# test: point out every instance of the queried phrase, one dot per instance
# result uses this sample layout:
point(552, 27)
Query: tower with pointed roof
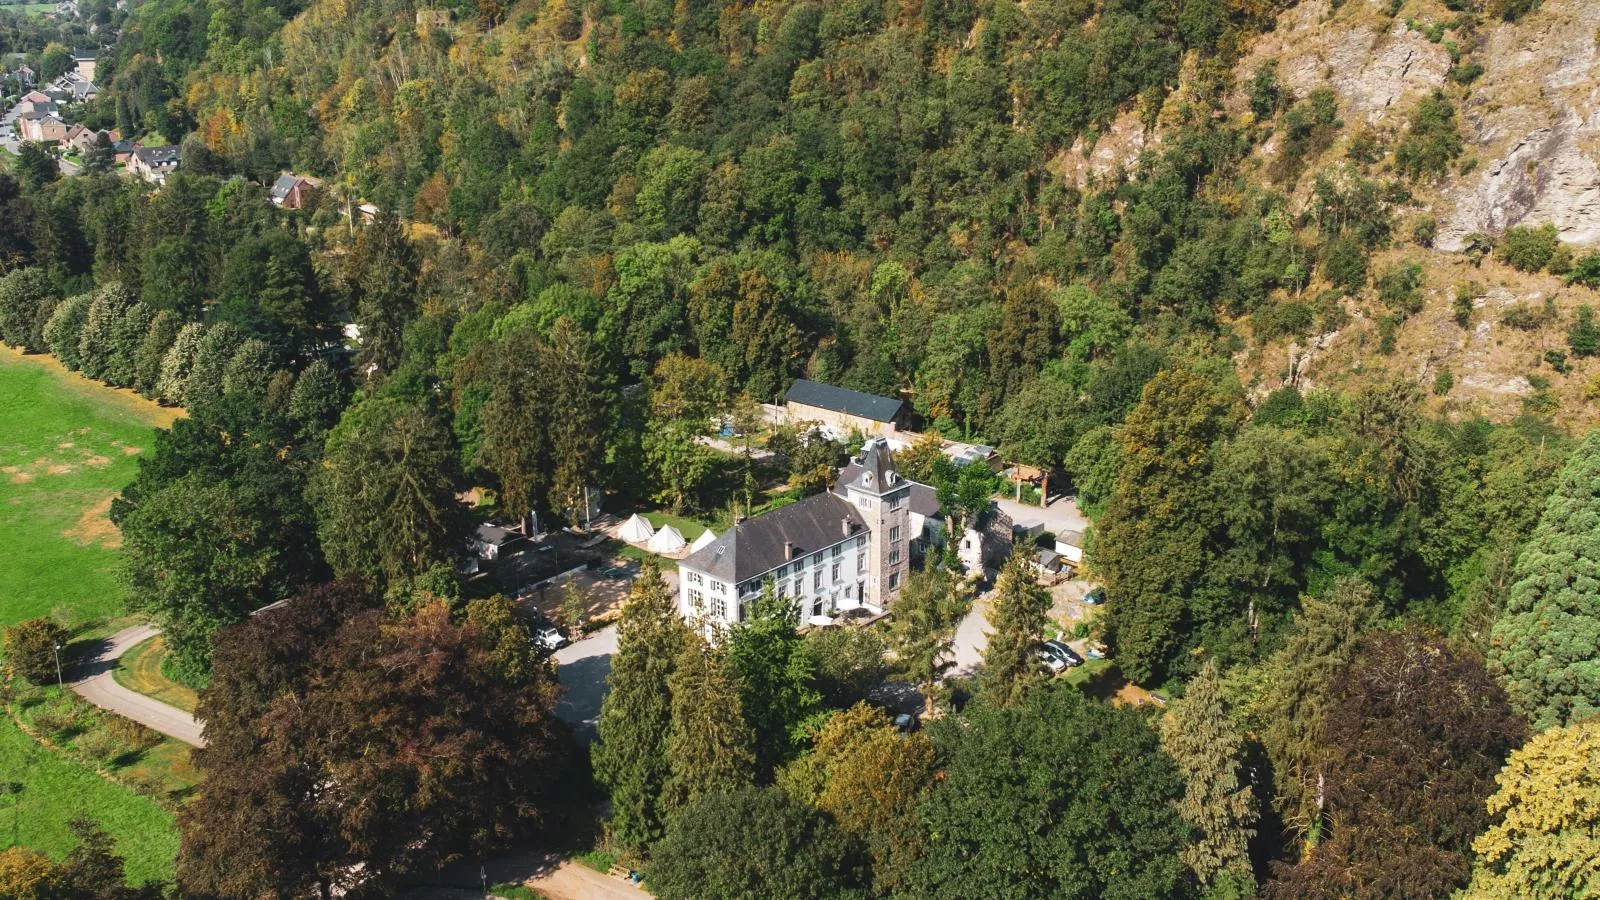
point(873, 485)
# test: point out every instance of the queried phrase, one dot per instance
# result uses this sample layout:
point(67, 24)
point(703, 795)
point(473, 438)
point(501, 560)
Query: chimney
point(788, 550)
point(845, 523)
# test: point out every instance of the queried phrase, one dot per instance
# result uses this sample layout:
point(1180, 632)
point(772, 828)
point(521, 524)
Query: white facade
point(827, 582)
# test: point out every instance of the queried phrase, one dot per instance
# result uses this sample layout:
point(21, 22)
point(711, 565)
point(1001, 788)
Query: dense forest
point(599, 227)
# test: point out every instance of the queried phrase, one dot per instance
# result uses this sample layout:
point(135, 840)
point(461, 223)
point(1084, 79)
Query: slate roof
point(756, 546)
point(282, 187)
point(495, 535)
point(157, 156)
point(843, 400)
point(924, 500)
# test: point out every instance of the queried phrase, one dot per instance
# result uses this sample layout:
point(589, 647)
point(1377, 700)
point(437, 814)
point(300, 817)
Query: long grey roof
point(757, 546)
point(844, 400)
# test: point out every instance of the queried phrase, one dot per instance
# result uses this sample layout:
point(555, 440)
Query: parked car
point(550, 637)
point(1095, 651)
point(1057, 656)
point(1095, 597)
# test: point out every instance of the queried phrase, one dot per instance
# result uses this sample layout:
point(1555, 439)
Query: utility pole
point(60, 682)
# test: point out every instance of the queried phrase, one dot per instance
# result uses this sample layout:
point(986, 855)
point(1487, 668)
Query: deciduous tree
point(1059, 796)
point(754, 843)
point(1414, 734)
point(1545, 840)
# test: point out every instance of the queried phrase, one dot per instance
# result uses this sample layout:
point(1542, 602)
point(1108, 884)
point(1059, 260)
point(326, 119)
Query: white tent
point(636, 530)
point(705, 538)
point(667, 540)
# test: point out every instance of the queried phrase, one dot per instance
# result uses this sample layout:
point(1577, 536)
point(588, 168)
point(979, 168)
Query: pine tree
point(1018, 617)
point(776, 677)
point(630, 755)
point(926, 616)
point(152, 349)
point(1543, 647)
point(574, 374)
point(178, 363)
point(1218, 801)
point(711, 747)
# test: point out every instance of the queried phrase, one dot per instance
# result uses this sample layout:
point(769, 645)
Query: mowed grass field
point(67, 446)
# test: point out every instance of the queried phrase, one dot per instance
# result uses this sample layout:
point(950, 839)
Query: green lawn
point(55, 790)
point(67, 446)
point(29, 9)
point(140, 670)
point(689, 528)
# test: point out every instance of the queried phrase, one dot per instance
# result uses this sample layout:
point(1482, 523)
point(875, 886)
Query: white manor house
point(847, 548)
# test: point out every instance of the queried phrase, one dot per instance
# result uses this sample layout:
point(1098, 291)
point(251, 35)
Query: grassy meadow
point(67, 446)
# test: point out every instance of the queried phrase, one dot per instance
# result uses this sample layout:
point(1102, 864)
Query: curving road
point(92, 680)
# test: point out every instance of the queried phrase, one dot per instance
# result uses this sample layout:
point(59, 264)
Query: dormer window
point(866, 478)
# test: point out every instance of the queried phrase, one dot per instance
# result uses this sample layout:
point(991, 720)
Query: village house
point(843, 410)
point(27, 74)
point(849, 548)
point(41, 125)
point(153, 164)
point(84, 63)
point(293, 191)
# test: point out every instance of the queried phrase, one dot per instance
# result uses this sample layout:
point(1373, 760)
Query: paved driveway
point(583, 667)
point(92, 680)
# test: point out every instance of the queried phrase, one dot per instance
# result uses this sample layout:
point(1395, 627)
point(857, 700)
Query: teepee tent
point(636, 530)
point(706, 537)
point(667, 540)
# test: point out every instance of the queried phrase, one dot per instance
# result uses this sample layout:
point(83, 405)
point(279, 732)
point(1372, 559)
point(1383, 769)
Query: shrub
point(1433, 142)
point(1344, 262)
point(1397, 288)
point(101, 746)
point(1557, 361)
point(1524, 317)
point(598, 860)
point(1529, 249)
point(1584, 336)
point(1284, 319)
point(1388, 326)
point(1443, 382)
point(513, 892)
point(31, 649)
point(1424, 231)
point(1462, 304)
point(1586, 271)
point(135, 735)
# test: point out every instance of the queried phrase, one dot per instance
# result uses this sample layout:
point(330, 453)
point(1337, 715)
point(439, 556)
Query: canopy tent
point(636, 530)
point(706, 537)
point(667, 540)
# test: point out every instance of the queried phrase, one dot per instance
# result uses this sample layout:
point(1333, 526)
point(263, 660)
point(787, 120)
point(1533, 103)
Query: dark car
point(1095, 597)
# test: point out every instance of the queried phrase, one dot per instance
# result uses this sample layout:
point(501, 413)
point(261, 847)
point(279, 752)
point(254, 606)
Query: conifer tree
point(776, 677)
point(630, 755)
point(926, 615)
point(1218, 800)
point(711, 747)
point(1018, 618)
point(1543, 648)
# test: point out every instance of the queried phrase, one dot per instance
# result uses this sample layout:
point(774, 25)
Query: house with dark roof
point(84, 61)
point(154, 163)
point(851, 547)
point(844, 410)
point(292, 191)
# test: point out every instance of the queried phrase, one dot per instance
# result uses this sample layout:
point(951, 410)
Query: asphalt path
point(92, 680)
point(583, 667)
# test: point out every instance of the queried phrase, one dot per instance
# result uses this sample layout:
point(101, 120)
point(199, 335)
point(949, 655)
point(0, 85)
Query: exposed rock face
point(1375, 72)
point(1533, 120)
